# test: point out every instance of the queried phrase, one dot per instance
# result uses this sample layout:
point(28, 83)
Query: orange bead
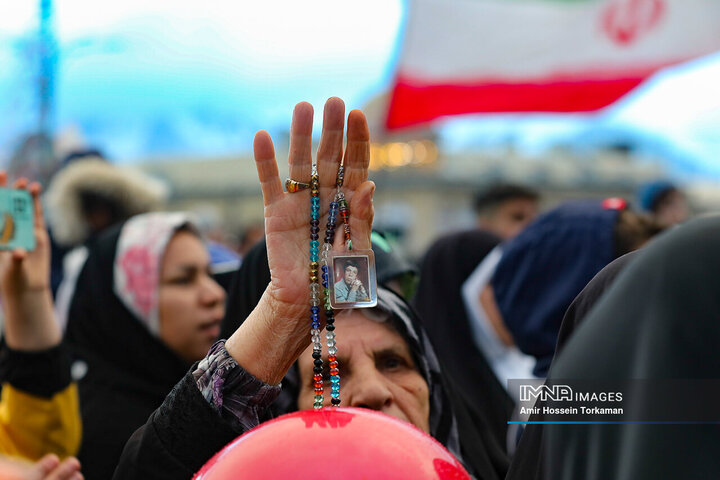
point(332, 358)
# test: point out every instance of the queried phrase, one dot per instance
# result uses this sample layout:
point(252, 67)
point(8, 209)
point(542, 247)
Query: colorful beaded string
point(315, 288)
point(329, 313)
point(338, 204)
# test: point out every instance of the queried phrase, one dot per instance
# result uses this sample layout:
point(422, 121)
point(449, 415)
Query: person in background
point(144, 308)
point(439, 303)
point(39, 411)
point(506, 209)
point(250, 235)
point(657, 322)
point(87, 196)
point(528, 462)
point(545, 267)
point(393, 270)
point(665, 202)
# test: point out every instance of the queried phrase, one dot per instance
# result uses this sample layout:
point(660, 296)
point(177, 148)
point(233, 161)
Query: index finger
point(35, 190)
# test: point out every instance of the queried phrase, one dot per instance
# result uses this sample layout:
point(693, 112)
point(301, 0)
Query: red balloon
point(334, 444)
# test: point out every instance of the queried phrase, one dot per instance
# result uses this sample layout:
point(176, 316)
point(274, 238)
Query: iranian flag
point(464, 56)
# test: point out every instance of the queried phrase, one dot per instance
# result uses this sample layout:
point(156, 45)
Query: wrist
point(271, 339)
point(30, 321)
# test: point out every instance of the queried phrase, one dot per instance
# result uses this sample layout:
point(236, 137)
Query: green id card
point(16, 220)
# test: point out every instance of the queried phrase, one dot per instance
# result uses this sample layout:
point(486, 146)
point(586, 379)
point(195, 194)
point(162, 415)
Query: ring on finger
point(293, 186)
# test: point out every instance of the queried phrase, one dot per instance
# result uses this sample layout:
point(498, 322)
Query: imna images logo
point(545, 393)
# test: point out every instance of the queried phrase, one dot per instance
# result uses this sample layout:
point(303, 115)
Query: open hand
point(278, 330)
point(287, 215)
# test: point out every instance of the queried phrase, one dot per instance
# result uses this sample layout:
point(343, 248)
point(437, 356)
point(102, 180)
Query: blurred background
point(628, 95)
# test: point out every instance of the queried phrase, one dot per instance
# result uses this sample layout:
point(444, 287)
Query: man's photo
point(351, 279)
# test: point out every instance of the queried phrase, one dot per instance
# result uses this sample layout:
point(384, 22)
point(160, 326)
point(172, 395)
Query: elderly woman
point(386, 360)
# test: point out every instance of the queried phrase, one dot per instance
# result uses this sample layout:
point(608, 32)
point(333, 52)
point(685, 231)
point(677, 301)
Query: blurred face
point(673, 210)
point(376, 372)
point(191, 303)
point(350, 274)
point(510, 217)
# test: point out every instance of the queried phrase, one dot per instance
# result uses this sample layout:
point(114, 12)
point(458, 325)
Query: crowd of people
point(125, 354)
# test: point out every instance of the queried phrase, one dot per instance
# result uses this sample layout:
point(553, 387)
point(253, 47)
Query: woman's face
point(376, 371)
point(191, 303)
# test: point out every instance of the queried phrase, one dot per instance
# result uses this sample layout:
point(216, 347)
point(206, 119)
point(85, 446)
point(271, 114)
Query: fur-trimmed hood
point(131, 188)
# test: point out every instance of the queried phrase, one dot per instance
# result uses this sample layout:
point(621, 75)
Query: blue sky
point(142, 79)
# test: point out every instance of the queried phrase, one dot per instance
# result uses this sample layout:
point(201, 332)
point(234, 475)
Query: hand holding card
point(25, 273)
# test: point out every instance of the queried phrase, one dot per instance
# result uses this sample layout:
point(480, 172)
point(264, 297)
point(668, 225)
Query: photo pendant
point(352, 282)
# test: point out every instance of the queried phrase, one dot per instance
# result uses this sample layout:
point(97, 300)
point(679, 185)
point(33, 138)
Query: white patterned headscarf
point(138, 262)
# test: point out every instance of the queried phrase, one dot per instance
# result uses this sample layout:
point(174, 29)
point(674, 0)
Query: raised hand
point(281, 320)
point(25, 285)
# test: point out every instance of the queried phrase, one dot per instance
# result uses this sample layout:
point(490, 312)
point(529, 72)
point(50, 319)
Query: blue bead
point(324, 268)
point(335, 394)
point(314, 243)
point(315, 309)
point(335, 378)
point(313, 258)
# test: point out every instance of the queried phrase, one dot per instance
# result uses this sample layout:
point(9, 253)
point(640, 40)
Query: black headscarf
point(527, 463)
point(446, 266)
point(451, 422)
point(129, 370)
point(659, 320)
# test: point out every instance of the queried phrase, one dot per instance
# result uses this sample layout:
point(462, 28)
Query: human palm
point(287, 215)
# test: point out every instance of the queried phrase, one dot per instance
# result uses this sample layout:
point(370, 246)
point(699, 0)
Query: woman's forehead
point(355, 333)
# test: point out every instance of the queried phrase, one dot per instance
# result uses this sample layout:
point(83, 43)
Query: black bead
point(329, 313)
point(314, 229)
point(330, 327)
point(335, 401)
point(314, 236)
point(317, 369)
point(317, 354)
point(318, 362)
point(314, 222)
